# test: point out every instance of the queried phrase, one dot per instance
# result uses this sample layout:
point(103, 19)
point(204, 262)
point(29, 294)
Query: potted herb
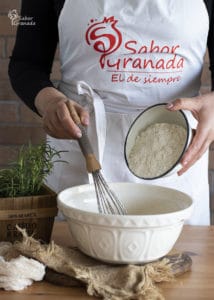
point(24, 199)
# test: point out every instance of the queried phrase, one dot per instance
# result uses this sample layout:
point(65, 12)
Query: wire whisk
point(107, 201)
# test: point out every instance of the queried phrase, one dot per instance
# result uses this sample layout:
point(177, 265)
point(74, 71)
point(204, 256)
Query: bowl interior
point(154, 114)
point(139, 199)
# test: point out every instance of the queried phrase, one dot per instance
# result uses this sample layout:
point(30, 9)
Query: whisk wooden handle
point(92, 163)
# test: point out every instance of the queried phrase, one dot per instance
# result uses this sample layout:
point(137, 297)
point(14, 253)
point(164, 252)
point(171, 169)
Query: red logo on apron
point(104, 36)
point(136, 60)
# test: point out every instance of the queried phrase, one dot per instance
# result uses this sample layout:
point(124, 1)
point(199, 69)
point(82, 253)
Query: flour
point(157, 149)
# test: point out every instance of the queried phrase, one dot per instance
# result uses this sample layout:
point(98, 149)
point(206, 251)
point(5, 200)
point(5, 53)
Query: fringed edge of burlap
point(146, 289)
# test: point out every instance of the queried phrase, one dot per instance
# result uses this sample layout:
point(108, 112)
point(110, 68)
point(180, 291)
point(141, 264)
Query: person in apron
point(117, 58)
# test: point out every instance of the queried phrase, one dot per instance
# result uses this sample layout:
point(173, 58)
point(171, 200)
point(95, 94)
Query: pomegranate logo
point(104, 37)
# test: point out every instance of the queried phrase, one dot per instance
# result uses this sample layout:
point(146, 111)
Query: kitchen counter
point(198, 284)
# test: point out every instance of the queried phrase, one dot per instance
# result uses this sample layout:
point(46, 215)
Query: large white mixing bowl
point(154, 222)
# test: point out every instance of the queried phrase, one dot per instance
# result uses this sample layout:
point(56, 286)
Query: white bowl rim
point(90, 187)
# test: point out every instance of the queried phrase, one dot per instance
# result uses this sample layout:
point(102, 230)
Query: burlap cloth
point(110, 282)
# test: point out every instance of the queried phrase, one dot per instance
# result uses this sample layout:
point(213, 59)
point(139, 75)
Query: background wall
point(18, 124)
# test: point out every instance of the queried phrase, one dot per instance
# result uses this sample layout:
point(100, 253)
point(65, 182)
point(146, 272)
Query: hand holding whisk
point(107, 201)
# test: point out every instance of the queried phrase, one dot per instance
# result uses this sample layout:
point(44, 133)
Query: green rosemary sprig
point(27, 175)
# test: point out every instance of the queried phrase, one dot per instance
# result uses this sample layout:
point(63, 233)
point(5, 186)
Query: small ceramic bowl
point(157, 114)
point(149, 231)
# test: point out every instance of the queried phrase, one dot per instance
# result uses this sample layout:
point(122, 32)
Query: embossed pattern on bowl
point(154, 222)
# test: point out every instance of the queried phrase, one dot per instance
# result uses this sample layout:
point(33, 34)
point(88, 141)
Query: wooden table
point(195, 285)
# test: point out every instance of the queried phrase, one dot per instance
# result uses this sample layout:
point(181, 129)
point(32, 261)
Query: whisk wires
point(107, 201)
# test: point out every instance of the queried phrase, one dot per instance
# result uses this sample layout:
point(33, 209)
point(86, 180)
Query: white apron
point(117, 58)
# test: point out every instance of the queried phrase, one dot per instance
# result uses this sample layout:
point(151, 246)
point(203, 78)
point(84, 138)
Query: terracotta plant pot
point(34, 213)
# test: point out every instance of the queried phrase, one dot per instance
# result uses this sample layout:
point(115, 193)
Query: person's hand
point(57, 121)
point(202, 108)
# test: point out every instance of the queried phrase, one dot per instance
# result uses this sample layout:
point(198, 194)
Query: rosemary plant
point(26, 176)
